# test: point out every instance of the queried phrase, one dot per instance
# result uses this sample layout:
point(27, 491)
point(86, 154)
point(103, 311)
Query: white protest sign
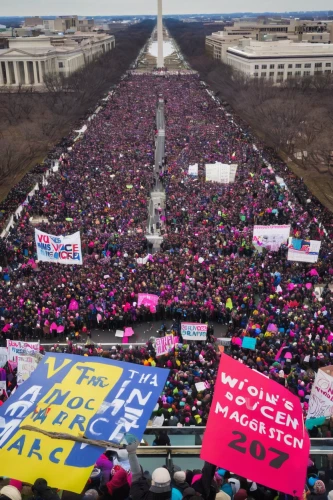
point(119, 333)
point(3, 356)
point(3, 385)
point(270, 237)
point(222, 173)
point(25, 366)
point(321, 398)
point(19, 348)
point(303, 250)
point(158, 421)
point(200, 386)
point(59, 249)
point(193, 170)
point(194, 331)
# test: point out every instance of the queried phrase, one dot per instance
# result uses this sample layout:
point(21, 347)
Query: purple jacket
point(105, 465)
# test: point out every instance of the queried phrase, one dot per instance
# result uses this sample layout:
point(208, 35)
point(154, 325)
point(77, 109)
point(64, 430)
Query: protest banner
point(147, 299)
point(200, 386)
point(249, 343)
point(144, 260)
point(25, 366)
point(59, 249)
point(321, 397)
point(164, 344)
point(255, 429)
point(222, 173)
point(270, 237)
point(19, 348)
point(3, 356)
point(224, 341)
point(193, 170)
point(194, 331)
point(99, 398)
point(303, 250)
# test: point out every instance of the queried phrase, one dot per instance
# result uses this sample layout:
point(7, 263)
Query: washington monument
point(160, 58)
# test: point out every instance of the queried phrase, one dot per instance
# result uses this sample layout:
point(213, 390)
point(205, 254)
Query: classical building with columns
point(27, 60)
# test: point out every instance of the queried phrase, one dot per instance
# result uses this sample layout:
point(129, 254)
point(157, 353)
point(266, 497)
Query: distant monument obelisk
point(160, 58)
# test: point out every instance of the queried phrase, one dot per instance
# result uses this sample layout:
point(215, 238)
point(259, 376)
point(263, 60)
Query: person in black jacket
point(42, 491)
point(160, 488)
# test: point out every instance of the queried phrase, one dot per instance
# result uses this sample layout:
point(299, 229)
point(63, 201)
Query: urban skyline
point(148, 7)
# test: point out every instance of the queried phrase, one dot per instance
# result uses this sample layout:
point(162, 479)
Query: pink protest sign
point(128, 332)
point(278, 354)
point(255, 429)
point(164, 344)
point(147, 299)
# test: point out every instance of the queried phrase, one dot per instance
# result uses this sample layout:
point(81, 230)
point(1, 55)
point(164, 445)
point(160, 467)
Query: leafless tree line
point(32, 122)
point(295, 117)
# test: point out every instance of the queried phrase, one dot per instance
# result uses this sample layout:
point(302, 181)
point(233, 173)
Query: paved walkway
point(142, 334)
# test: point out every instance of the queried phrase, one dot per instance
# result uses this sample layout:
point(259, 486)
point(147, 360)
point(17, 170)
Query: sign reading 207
point(256, 418)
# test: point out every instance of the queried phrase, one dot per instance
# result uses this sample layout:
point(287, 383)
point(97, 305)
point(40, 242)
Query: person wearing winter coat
point(160, 487)
point(179, 485)
point(42, 491)
point(117, 488)
point(319, 491)
point(105, 464)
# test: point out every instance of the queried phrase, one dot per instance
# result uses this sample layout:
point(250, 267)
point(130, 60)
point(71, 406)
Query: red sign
point(255, 429)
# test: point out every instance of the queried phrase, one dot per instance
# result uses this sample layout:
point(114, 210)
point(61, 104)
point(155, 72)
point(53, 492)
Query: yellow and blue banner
point(97, 398)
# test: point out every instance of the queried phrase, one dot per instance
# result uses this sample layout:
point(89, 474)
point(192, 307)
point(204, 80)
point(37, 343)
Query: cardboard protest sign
point(249, 343)
point(270, 237)
point(20, 348)
point(255, 428)
point(98, 397)
point(25, 366)
point(59, 249)
point(194, 331)
point(321, 398)
point(303, 250)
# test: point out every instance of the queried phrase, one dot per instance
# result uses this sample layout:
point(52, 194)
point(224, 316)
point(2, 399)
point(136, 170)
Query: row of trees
point(32, 122)
point(295, 117)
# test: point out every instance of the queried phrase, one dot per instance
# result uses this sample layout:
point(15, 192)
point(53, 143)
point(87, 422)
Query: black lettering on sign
point(242, 439)
point(257, 450)
point(279, 460)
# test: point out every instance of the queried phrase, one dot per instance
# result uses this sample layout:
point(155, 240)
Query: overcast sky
point(131, 7)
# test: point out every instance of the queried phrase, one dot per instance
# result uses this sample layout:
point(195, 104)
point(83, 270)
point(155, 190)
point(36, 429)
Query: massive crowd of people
point(207, 269)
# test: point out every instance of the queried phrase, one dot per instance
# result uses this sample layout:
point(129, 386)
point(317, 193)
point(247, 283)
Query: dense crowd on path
point(207, 269)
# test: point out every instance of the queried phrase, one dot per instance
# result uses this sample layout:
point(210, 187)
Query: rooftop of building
point(281, 48)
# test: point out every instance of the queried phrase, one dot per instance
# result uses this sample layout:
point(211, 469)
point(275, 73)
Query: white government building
point(28, 59)
point(279, 60)
point(275, 48)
